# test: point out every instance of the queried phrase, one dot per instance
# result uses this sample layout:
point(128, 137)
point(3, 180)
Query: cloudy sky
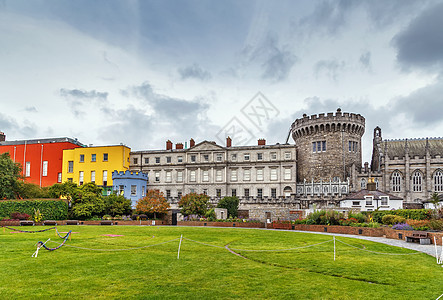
point(142, 72)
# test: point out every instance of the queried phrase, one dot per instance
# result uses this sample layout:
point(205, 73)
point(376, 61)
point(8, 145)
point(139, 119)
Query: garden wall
point(115, 222)
point(222, 224)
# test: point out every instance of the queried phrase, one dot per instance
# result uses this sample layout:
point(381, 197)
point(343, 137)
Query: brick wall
point(221, 224)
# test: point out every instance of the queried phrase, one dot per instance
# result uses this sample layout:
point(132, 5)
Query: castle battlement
point(129, 175)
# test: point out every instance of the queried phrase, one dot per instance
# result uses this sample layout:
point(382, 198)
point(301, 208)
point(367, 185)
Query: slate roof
point(417, 147)
point(42, 141)
point(376, 194)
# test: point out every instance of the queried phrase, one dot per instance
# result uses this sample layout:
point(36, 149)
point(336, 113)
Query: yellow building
point(94, 164)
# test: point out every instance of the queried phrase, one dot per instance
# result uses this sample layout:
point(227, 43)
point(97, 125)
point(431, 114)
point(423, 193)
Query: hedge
point(414, 214)
point(50, 209)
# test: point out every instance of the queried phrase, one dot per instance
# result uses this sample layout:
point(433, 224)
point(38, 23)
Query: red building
point(41, 159)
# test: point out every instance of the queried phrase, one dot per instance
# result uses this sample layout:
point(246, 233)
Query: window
point(179, 176)
point(192, 176)
point(192, 158)
point(28, 169)
point(205, 191)
point(319, 146)
point(363, 184)
point(133, 190)
point(168, 194)
point(157, 176)
point(70, 180)
point(438, 181)
point(247, 175)
point(157, 160)
point(81, 177)
point(246, 191)
point(350, 146)
point(45, 168)
point(246, 156)
point(273, 174)
point(323, 146)
point(105, 178)
point(205, 175)
point(368, 201)
point(259, 193)
point(384, 200)
point(233, 192)
point(233, 156)
point(179, 159)
point(274, 193)
point(70, 166)
point(259, 174)
point(219, 157)
point(93, 157)
point(355, 203)
point(273, 155)
point(146, 160)
point(59, 177)
point(82, 158)
point(218, 175)
point(233, 175)
point(135, 160)
point(179, 194)
point(105, 156)
point(143, 191)
point(396, 182)
point(288, 174)
point(168, 176)
point(287, 155)
point(121, 190)
point(416, 181)
point(259, 156)
point(92, 176)
point(218, 192)
point(168, 159)
point(206, 157)
point(376, 183)
point(314, 147)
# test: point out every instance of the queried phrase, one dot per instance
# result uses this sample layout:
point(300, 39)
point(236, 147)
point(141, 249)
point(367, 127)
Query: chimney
point(168, 145)
point(179, 146)
point(366, 167)
point(371, 186)
point(2, 137)
point(228, 142)
point(261, 142)
point(191, 143)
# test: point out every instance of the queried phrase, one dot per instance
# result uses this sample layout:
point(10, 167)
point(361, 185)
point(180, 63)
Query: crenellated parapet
point(129, 175)
point(330, 122)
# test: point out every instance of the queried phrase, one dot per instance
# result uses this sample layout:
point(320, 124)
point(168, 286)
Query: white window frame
point(273, 155)
point(205, 175)
point(396, 181)
point(28, 169)
point(273, 174)
point(219, 157)
point(369, 200)
point(179, 176)
point(438, 181)
point(288, 174)
point(157, 176)
point(168, 176)
point(192, 176)
point(234, 175)
point(287, 155)
point(384, 200)
point(247, 175)
point(246, 157)
point(218, 175)
point(81, 177)
point(45, 168)
point(417, 180)
point(133, 190)
point(259, 173)
point(92, 176)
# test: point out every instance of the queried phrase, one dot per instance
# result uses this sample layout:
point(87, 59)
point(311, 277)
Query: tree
point(231, 204)
point(435, 199)
point(117, 205)
point(87, 201)
point(153, 203)
point(9, 177)
point(194, 204)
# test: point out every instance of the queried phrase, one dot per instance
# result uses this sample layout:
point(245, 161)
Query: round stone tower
point(327, 145)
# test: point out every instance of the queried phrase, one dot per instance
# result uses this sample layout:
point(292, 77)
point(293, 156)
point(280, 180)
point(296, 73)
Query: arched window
point(376, 183)
point(363, 184)
point(335, 189)
point(396, 181)
point(416, 181)
point(438, 181)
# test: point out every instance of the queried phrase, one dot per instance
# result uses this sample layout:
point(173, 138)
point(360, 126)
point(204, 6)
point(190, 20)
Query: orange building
point(41, 159)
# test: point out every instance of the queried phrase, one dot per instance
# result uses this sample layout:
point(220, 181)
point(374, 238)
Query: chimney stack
point(366, 167)
point(191, 143)
point(371, 186)
point(179, 146)
point(2, 137)
point(168, 145)
point(228, 142)
point(261, 142)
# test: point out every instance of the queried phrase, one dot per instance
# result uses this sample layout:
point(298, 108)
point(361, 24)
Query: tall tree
point(153, 203)
point(231, 204)
point(9, 177)
point(194, 204)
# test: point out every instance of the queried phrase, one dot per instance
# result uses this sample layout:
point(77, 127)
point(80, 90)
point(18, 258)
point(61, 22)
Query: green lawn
point(209, 272)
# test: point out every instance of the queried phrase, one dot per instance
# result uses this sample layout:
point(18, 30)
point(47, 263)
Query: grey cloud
point(365, 60)
point(329, 68)
point(30, 109)
point(421, 43)
point(194, 71)
point(82, 94)
point(15, 130)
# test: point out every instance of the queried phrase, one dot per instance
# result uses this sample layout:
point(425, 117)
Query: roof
point(417, 147)
point(43, 141)
point(376, 194)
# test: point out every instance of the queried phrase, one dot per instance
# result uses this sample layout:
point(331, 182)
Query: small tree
point(117, 205)
point(9, 177)
point(435, 199)
point(231, 204)
point(153, 203)
point(194, 204)
point(87, 201)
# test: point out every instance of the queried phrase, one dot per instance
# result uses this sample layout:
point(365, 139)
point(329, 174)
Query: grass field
point(204, 272)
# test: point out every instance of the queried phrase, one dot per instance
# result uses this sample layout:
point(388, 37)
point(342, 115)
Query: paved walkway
point(428, 249)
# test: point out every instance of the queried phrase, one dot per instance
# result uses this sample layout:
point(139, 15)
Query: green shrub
point(388, 219)
point(210, 214)
point(361, 218)
point(323, 217)
point(415, 214)
point(436, 224)
point(50, 209)
point(231, 204)
point(399, 219)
